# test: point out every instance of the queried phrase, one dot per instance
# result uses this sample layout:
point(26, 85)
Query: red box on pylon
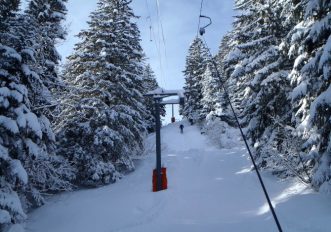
point(164, 181)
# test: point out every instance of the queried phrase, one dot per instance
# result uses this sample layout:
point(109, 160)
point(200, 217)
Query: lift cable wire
point(227, 96)
point(161, 31)
point(244, 138)
point(149, 19)
point(161, 25)
point(156, 39)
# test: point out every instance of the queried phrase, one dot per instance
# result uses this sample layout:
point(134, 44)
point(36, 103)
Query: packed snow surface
point(209, 189)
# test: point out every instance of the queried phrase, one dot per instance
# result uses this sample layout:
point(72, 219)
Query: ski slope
point(209, 189)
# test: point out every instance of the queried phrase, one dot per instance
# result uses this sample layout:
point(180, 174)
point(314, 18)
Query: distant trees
point(149, 84)
point(196, 64)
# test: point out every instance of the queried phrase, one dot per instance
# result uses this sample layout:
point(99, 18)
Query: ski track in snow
point(209, 189)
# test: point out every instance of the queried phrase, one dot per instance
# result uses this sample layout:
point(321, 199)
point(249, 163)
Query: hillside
point(210, 189)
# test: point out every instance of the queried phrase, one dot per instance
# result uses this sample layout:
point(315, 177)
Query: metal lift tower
point(158, 96)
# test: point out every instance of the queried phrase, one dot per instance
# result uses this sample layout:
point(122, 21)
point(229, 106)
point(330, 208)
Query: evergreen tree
point(47, 172)
point(6, 8)
point(17, 122)
point(310, 45)
point(223, 110)
point(278, 70)
point(47, 15)
point(150, 84)
point(276, 147)
point(102, 124)
point(196, 63)
point(27, 141)
point(257, 72)
point(210, 91)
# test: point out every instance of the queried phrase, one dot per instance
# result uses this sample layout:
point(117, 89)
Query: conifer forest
point(83, 123)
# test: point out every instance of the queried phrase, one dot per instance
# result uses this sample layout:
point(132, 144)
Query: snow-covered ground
point(210, 189)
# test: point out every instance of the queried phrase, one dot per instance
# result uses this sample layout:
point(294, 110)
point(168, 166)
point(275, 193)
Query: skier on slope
point(181, 128)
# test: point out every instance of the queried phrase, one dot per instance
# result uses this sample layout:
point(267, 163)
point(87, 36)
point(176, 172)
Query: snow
point(234, 55)
point(16, 228)
point(275, 77)
point(318, 27)
point(299, 90)
point(4, 216)
point(58, 15)
point(16, 95)
point(5, 93)
point(30, 119)
point(46, 127)
point(33, 148)
point(18, 170)
point(260, 60)
point(3, 153)
point(238, 71)
point(33, 123)
point(170, 101)
point(9, 124)
point(324, 99)
point(10, 52)
point(11, 202)
point(326, 187)
point(209, 189)
point(325, 57)
point(30, 53)
point(28, 72)
point(160, 91)
point(298, 61)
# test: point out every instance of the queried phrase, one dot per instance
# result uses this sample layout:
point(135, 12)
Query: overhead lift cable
point(160, 30)
point(157, 42)
point(161, 25)
point(227, 96)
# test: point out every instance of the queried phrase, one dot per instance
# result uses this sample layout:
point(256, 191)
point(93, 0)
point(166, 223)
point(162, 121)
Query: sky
point(179, 21)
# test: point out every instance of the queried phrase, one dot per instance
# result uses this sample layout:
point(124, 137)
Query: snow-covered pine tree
point(149, 84)
point(268, 108)
point(47, 16)
point(223, 110)
point(46, 172)
point(298, 34)
point(254, 45)
point(6, 8)
point(237, 58)
point(210, 91)
point(196, 63)
point(256, 72)
point(310, 44)
point(102, 124)
point(17, 122)
point(278, 148)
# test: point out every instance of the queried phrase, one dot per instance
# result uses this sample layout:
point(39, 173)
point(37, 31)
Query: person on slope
point(181, 128)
